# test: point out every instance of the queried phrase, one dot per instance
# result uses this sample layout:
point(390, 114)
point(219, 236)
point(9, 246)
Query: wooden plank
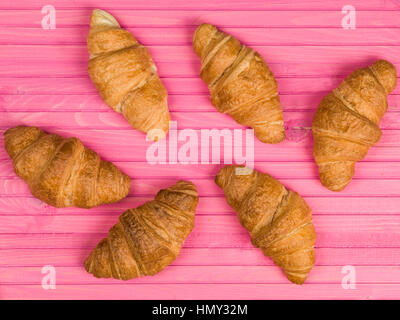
point(183, 36)
point(280, 170)
point(239, 239)
point(110, 119)
point(16, 199)
point(202, 291)
point(243, 257)
point(187, 93)
point(208, 4)
point(205, 274)
point(297, 123)
point(68, 69)
point(22, 203)
point(244, 19)
point(210, 231)
point(308, 187)
point(89, 241)
point(177, 102)
point(172, 54)
point(297, 146)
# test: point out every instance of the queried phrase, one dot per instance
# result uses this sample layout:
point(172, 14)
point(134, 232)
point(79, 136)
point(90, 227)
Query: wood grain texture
point(227, 5)
point(182, 36)
point(44, 82)
point(106, 119)
point(209, 274)
point(190, 256)
point(202, 291)
point(244, 18)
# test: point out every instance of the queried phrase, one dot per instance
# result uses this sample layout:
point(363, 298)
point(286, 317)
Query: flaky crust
point(346, 123)
point(279, 220)
point(62, 172)
point(125, 75)
point(148, 238)
point(240, 83)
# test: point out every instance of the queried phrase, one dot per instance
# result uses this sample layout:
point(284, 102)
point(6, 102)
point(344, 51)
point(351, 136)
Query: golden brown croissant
point(125, 75)
point(62, 172)
point(347, 120)
point(279, 220)
point(240, 83)
point(148, 238)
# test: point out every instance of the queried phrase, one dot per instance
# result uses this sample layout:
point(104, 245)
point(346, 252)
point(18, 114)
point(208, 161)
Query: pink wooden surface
point(43, 82)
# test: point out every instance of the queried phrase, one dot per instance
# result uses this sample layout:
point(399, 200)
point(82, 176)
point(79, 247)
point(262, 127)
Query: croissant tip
point(220, 175)
point(387, 74)
point(335, 176)
point(6, 132)
point(278, 138)
point(201, 37)
point(334, 187)
point(205, 26)
point(87, 264)
point(272, 133)
point(17, 127)
point(186, 184)
point(299, 282)
point(297, 278)
point(12, 132)
point(102, 18)
point(220, 178)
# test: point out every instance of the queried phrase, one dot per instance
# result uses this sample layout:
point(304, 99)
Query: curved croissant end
point(100, 18)
point(202, 36)
point(62, 172)
point(125, 75)
point(279, 220)
point(346, 123)
point(386, 74)
point(240, 83)
point(148, 238)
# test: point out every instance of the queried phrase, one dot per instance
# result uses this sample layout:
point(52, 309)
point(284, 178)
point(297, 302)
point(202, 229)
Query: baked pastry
point(240, 83)
point(279, 220)
point(346, 123)
point(148, 238)
point(62, 172)
point(125, 75)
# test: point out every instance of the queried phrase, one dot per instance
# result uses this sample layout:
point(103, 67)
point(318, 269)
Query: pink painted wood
point(44, 82)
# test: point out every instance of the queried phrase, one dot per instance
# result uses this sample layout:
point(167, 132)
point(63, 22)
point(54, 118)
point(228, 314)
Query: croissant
point(62, 172)
point(148, 238)
point(346, 123)
point(279, 220)
point(125, 75)
point(240, 83)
